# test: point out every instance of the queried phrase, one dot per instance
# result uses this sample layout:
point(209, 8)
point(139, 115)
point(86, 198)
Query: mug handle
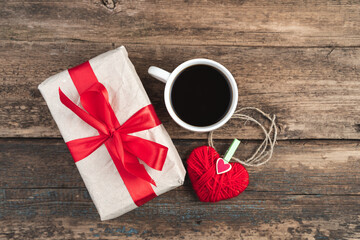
point(159, 74)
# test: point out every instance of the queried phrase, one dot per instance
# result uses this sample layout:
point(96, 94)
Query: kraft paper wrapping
point(126, 95)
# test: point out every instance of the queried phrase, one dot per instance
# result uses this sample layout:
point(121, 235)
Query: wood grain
point(69, 214)
point(227, 22)
point(298, 167)
point(313, 91)
point(310, 189)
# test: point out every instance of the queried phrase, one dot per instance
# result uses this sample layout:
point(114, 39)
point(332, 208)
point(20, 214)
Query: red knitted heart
point(212, 187)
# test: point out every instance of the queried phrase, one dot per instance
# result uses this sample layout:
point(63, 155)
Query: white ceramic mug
point(170, 78)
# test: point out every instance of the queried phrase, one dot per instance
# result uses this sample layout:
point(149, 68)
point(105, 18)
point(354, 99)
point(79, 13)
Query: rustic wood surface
point(297, 59)
point(310, 190)
point(313, 91)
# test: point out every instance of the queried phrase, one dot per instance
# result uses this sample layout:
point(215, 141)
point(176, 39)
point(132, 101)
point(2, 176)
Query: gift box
point(122, 151)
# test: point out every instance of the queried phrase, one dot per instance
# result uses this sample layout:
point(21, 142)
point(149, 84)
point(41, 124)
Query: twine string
point(265, 150)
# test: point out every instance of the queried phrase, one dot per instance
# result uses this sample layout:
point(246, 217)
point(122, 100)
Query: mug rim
point(203, 61)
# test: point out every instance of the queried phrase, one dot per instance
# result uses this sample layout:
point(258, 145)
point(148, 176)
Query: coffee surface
point(200, 95)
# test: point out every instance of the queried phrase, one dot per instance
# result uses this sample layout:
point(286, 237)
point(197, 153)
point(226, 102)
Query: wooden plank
point(69, 213)
point(313, 91)
point(310, 189)
point(245, 23)
point(298, 167)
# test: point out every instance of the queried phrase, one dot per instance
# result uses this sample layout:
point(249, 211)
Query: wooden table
point(297, 59)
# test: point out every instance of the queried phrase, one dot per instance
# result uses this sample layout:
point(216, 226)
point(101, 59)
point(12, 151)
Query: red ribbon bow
point(123, 148)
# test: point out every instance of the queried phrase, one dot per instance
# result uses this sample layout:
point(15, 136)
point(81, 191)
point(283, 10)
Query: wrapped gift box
point(127, 95)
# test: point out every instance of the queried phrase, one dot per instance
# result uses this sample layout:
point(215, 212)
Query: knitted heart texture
point(210, 186)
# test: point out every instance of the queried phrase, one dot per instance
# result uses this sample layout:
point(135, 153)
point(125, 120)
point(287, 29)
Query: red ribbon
point(124, 149)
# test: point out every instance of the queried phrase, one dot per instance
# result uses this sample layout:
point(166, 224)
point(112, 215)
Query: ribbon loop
point(141, 120)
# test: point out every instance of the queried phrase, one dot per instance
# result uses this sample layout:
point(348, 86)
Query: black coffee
point(201, 95)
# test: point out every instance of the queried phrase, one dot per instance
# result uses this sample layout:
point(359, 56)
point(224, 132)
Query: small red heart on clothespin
point(222, 166)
